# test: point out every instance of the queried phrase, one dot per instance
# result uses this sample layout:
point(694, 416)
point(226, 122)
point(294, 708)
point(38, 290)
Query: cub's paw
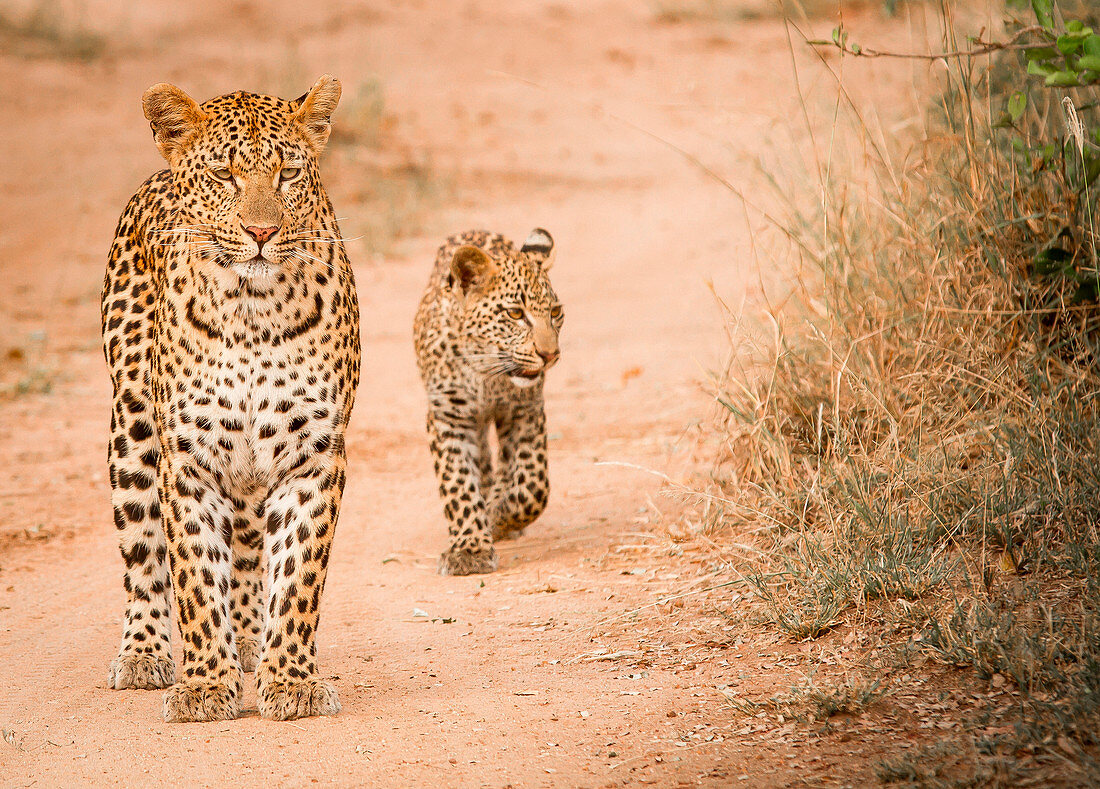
point(147, 672)
point(285, 701)
point(202, 700)
point(248, 653)
point(468, 561)
point(504, 532)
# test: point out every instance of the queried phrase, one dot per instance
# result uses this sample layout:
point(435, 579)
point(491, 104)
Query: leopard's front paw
point(468, 561)
point(248, 653)
point(202, 700)
point(284, 701)
point(146, 672)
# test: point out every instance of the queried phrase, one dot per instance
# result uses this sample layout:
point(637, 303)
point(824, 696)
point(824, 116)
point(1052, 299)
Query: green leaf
point(1044, 12)
point(1017, 103)
point(1091, 45)
point(1037, 69)
point(1075, 26)
point(1092, 168)
point(1069, 43)
point(1090, 62)
point(1053, 261)
point(1042, 53)
point(1063, 79)
point(836, 36)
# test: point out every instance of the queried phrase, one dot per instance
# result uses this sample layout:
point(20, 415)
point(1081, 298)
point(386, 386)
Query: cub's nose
point(550, 356)
point(261, 234)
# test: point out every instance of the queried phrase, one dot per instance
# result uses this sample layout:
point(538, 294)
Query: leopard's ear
point(175, 118)
point(314, 110)
point(540, 246)
point(471, 268)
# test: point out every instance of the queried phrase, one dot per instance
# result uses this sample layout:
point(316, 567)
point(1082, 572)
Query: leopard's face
point(511, 316)
point(246, 169)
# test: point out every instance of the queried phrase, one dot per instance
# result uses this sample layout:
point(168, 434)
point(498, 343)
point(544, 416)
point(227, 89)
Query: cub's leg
point(457, 446)
point(300, 523)
point(198, 521)
point(246, 584)
point(485, 471)
point(523, 484)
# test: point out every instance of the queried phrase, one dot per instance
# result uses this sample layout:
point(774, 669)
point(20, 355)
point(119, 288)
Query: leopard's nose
point(261, 234)
point(549, 356)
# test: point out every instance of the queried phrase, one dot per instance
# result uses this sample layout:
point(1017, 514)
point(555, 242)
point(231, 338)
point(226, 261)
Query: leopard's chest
point(246, 410)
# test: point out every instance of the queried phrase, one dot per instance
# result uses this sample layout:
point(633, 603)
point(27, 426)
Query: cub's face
point(246, 173)
point(511, 316)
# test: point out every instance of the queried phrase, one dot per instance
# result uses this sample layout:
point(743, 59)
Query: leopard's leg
point(198, 523)
point(145, 656)
point(301, 520)
point(523, 485)
point(246, 583)
point(456, 445)
point(486, 472)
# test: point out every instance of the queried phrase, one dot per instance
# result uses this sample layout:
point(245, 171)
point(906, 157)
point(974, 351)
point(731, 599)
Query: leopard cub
point(485, 333)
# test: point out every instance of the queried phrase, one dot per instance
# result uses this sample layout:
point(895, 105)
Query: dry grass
point(917, 452)
point(815, 701)
point(733, 11)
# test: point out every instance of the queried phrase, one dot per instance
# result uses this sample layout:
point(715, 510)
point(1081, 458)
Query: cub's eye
point(555, 311)
point(515, 313)
point(222, 174)
point(289, 173)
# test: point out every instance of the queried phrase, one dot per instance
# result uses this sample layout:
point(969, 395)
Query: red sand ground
point(503, 694)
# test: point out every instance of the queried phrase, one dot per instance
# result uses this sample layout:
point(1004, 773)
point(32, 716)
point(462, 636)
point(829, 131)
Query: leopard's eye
point(555, 311)
point(515, 313)
point(288, 174)
point(222, 174)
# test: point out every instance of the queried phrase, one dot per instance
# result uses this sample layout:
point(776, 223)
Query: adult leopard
point(485, 334)
point(231, 331)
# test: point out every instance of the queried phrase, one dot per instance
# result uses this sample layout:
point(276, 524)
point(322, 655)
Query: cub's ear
point(540, 245)
point(471, 268)
point(314, 110)
point(174, 117)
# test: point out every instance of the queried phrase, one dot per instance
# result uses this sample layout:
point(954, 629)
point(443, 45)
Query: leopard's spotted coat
point(231, 331)
point(485, 333)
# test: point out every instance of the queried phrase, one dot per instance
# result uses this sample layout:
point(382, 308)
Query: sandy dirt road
point(526, 114)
